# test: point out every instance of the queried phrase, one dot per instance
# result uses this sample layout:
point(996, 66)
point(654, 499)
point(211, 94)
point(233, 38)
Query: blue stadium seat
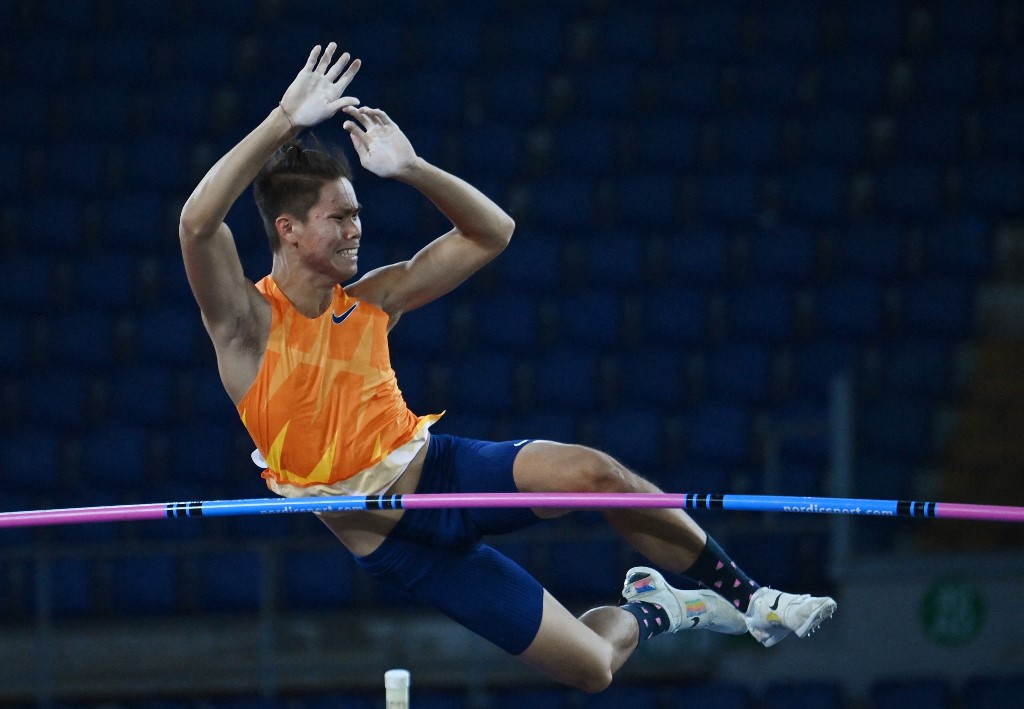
point(647, 200)
point(411, 370)
point(509, 321)
point(342, 699)
point(870, 250)
point(770, 83)
point(992, 692)
point(698, 256)
point(115, 455)
point(77, 166)
point(633, 435)
point(533, 697)
point(206, 53)
point(994, 186)
point(817, 362)
point(316, 579)
point(567, 379)
point(144, 585)
point(455, 40)
point(482, 382)
point(731, 196)
point(916, 366)
point(790, 27)
point(1002, 120)
point(814, 193)
point(620, 695)
point(614, 258)
point(141, 394)
point(533, 260)
point(678, 315)
point(590, 317)
point(712, 29)
point(203, 451)
point(937, 307)
point(441, 699)
point(32, 458)
point(14, 346)
point(957, 246)
point(111, 276)
point(31, 120)
point(691, 86)
point(931, 131)
point(850, 307)
point(909, 694)
point(710, 695)
point(718, 433)
point(71, 586)
point(897, 427)
point(970, 28)
point(159, 161)
point(12, 168)
point(952, 77)
point(130, 218)
point(227, 581)
point(750, 138)
point(807, 695)
point(470, 423)
point(56, 399)
point(102, 108)
point(548, 425)
point(537, 33)
point(151, 335)
point(493, 147)
point(627, 30)
point(654, 375)
point(582, 570)
point(787, 254)
point(833, 135)
point(607, 89)
point(667, 142)
point(27, 286)
point(908, 190)
point(515, 94)
point(585, 146)
point(123, 56)
point(738, 372)
point(561, 203)
point(763, 313)
point(854, 80)
point(21, 54)
point(422, 332)
point(82, 339)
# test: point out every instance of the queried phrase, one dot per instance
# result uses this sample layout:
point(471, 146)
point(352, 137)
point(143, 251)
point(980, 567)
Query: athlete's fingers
point(335, 69)
point(325, 58)
point(360, 114)
point(311, 62)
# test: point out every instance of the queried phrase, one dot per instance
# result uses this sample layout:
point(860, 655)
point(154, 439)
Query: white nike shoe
point(687, 610)
point(772, 615)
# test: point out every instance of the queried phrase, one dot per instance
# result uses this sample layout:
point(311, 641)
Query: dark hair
point(291, 181)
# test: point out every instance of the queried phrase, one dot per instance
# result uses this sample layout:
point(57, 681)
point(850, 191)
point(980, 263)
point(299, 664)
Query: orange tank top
point(326, 405)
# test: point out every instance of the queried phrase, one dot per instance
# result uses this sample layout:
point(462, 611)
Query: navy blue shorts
point(438, 557)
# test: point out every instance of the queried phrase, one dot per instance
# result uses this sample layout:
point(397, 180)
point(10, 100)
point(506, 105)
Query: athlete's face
point(329, 238)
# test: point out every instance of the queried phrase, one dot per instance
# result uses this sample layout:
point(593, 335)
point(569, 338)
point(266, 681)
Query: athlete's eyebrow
point(342, 213)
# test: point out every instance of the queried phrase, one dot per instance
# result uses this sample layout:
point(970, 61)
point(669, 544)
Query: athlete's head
point(292, 180)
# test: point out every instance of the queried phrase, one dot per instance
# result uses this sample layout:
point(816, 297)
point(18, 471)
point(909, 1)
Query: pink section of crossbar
point(992, 513)
point(84, 515)
point(437, 501)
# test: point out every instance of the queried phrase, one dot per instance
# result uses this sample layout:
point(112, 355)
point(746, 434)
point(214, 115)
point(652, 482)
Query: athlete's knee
point(596, 471)
point(593, 682)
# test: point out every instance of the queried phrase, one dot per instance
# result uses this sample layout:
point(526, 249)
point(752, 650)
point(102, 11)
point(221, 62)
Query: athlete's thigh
point(547, 466)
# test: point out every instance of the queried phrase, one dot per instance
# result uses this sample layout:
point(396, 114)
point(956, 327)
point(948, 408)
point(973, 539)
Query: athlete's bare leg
point(668, 537)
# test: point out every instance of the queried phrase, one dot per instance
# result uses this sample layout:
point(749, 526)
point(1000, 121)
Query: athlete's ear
point(286, 229)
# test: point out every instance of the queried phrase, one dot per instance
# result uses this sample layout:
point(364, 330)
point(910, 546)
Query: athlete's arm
point(229, 302)
point(481, 229)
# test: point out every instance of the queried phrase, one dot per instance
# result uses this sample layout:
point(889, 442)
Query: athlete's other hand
point(382, 146)
point(316, 94)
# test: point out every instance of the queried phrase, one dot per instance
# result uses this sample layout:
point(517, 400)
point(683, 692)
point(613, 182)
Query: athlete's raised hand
point(316, 94)
point(382, 146)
